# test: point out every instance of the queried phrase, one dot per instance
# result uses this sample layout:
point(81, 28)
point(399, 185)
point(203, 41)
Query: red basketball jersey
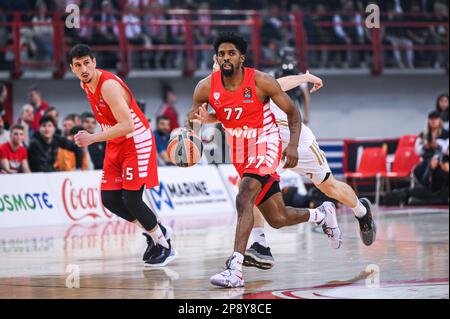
point(102, 110)
point(250, 126)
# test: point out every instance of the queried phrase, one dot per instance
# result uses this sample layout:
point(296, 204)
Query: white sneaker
point(229, 278)
point(330, 225)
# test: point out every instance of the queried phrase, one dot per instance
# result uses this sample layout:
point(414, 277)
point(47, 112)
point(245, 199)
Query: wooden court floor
point(410, 259)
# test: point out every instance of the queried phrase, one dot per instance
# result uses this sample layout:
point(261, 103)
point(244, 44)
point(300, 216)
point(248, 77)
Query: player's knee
point(243, 201)
point(109, 199)
point(331, 189)
point(131, 199)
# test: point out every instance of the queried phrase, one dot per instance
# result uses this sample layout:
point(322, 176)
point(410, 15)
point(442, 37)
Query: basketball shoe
point(231, 277)
point(161, 256)
point(367, 227)
point(330, 225)
point(258, 256)
point(166, 230)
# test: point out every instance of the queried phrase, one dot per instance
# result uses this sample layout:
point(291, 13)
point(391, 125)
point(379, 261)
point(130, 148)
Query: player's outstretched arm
point(200, 100)
point(292, 81)
point(112, 94)
point(272, 89)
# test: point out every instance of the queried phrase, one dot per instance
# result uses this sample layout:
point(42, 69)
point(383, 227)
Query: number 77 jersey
point(251, 130)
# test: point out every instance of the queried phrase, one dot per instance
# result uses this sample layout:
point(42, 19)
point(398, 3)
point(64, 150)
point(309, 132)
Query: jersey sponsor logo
point(247, 92)
point(244, 132)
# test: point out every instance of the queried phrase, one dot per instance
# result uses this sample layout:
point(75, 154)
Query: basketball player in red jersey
point(240, 97)
point(130, 160)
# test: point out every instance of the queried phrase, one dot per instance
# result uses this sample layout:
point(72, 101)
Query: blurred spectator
point(156, 33)
point(85, 33)
point(107, 33)
point(96, 150)
point(398, 38)
point(349, 34)
point(433, 141)
point(322, 34)
point(418, 35)
point(4, 134)
point(203, 35)
point(176, 37)
point(4, 36)
point(133, 31)
point(162, 137)
point(439, 34)
point(13, 155)
point(53, 113)
point(272, 29)
point(66, 159)
point(68, 124)
point(442, 108)
point(43, 32)
point(43, 149)
point(3, 99)
point(39, 104)
point(26, 119)
point(168, 108)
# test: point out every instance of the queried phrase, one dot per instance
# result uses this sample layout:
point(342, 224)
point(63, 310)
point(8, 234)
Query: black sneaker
point(258, 256)
point(166, 230)
point(367, 227)
point(161, 256)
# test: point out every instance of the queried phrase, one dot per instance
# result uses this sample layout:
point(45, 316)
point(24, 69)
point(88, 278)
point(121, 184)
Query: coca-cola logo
point(82, 202)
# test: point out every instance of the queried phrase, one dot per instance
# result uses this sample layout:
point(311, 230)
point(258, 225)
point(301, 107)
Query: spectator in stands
point(4, 133)
point(442, 108)
point(39, 104)
point(13, 155)
point(203, 35)
point(398, 37)
point(107, 33)
point(156, 33)
point(68, 124)
point(176, 37)
point(43, 33)
point(418, 35)
point(162, 137)
point(53, 113)
point(322, 34)
point(133, 31)
point(433, 141)
point(26, 119)
point(349, 34)
point(43, 149)
point(4, 37)
point(3, 99)
point(272, 29)
point(66, 159)
point(96, 150)
point(168, 109)
point(439, 34)
point(85, 33)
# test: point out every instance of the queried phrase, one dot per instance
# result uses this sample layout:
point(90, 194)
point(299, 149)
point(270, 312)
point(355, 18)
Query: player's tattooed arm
point(292, 81)
point(271, 89)
point(113, 94)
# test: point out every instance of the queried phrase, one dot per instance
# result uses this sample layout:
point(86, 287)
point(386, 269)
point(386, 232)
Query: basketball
point(184, 148)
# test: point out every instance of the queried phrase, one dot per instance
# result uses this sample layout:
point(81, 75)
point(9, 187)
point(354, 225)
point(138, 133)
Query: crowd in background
point(39, 141)
point(325, 22)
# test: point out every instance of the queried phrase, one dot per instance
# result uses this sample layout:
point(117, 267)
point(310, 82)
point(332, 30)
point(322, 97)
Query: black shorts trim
point(269, 187)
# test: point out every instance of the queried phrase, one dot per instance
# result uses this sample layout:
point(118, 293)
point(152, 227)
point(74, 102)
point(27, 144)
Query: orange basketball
point(184, 149)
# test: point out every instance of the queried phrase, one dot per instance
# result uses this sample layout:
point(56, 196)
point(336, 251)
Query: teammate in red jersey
point(130, 162)
point(240, 96)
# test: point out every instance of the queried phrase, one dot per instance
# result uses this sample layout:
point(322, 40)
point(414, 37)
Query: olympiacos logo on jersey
point(82, 202)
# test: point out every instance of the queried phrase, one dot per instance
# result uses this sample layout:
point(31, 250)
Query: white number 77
point(252, 159)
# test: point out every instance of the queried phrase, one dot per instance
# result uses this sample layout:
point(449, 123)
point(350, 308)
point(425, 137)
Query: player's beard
point(228, 72)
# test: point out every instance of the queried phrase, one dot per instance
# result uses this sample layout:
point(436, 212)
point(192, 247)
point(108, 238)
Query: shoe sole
point(251, 260)
point(166, 262)
point(227, 285)
point(368, 238)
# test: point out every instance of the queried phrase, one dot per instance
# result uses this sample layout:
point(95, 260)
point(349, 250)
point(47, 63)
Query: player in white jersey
point(313, 164)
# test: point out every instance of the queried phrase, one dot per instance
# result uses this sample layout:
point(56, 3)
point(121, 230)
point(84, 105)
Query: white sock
point(237, 261)
point(315, 216)
point(158, 237)
point(359, 210)
point(258, 236)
